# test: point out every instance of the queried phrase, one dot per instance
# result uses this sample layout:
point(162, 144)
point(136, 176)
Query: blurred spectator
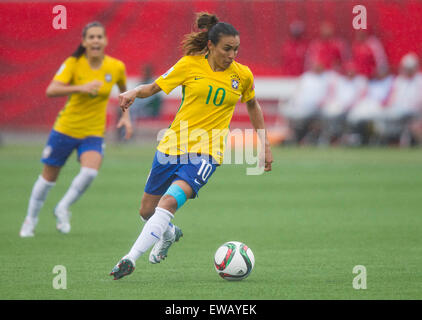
point(416, 132)
point(404, 104)
point(344, 91)
point(368, 54)
point(360, 119)
point(293, 50)
point(146, 108)
point(328, 48)
point(302, 110)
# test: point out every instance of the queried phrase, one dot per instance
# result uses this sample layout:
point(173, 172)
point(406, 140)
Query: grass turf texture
point(319, 213)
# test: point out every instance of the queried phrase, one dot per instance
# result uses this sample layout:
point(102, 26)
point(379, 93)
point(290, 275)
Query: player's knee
point(174, 198)
point(168, 202)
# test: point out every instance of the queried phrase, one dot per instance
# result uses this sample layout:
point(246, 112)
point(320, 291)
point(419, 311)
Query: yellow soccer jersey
point(85, 115)
point(208, 101)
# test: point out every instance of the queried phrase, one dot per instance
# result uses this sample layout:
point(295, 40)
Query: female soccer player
point(191, 149)
point(87, 77)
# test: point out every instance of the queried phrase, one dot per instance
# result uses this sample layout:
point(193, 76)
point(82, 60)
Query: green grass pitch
point(309, 222)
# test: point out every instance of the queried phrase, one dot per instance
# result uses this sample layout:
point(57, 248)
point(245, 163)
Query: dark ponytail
point(196, 41)
point(81, 49)
point(209, 29)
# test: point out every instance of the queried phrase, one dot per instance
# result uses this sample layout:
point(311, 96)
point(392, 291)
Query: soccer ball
point(234, 260)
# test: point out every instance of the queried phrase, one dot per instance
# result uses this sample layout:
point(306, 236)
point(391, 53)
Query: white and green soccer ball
point(234, 260)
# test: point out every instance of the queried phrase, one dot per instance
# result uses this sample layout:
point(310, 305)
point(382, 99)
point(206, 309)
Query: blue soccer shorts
point(191, 168)
point(60, 146)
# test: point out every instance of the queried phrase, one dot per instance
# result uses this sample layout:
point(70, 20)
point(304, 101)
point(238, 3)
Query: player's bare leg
point(148, 204)
point(50, 173)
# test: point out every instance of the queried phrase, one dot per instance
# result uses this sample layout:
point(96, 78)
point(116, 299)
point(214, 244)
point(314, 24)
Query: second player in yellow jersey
point(85, 114)
point(87, 78)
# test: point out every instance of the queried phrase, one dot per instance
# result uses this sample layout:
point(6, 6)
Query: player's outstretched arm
point(257, 119)
point(60, 89)
point(142, 91)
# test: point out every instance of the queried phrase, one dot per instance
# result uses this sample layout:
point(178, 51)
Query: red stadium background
point(141, 32)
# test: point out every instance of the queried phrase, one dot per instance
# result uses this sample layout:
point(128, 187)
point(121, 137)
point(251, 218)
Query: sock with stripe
point(152, 231)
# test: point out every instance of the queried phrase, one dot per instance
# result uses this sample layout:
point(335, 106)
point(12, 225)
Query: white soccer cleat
point(123, 268)
point(28, 227)
point(63, 220)
point(161, 248)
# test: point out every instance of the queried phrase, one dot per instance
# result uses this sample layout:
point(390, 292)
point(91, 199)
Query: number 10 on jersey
point(219, 96)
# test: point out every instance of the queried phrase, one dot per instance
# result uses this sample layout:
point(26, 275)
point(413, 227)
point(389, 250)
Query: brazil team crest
point(235, 81)
point(108, 77)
